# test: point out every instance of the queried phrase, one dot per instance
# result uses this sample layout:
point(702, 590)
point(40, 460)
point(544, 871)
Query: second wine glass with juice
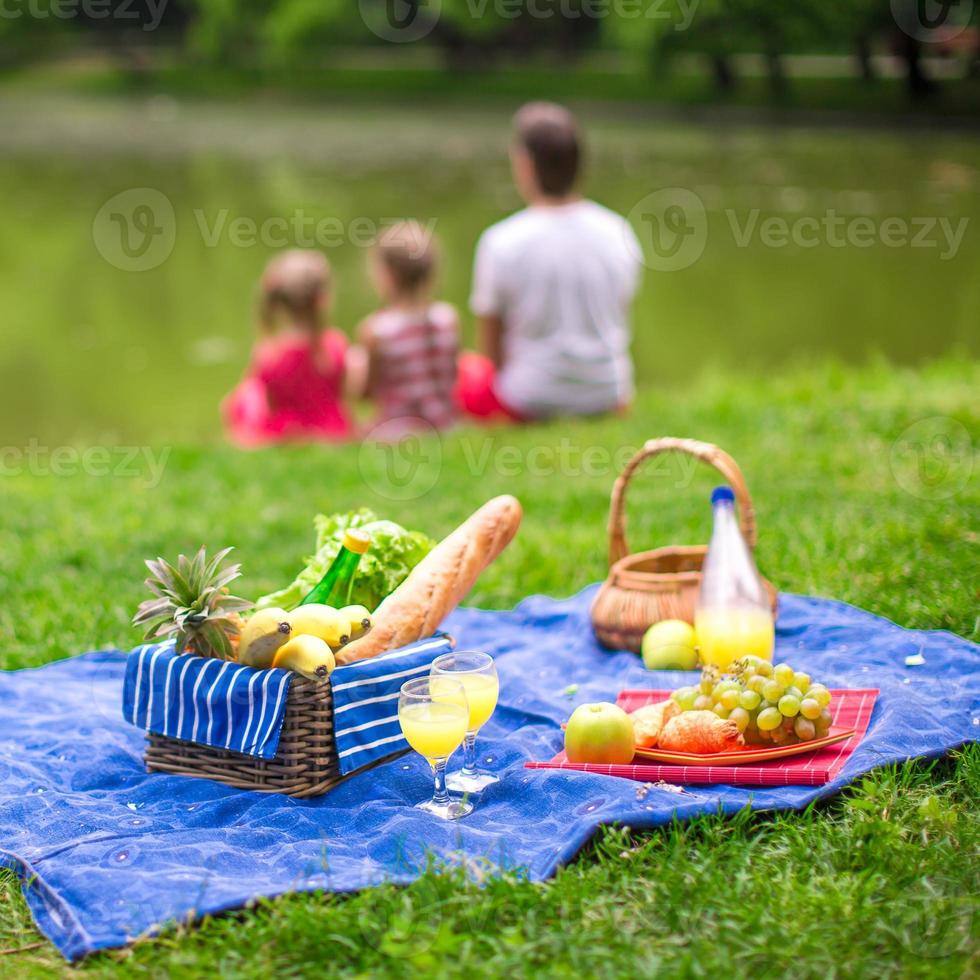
point(433, 719)
point(478, 676)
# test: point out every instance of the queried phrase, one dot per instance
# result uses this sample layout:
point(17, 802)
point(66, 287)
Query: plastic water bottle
point(733, 616)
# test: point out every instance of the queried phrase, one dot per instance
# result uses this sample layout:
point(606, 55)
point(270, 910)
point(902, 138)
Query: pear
point(307, 655)
point(359, 618)
point(264, 632)
point(316, 619)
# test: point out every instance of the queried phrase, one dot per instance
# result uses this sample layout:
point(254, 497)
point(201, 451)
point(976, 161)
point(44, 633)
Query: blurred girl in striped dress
point(406, 360)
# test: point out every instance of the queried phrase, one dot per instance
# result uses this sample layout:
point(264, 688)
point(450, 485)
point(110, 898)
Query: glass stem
point(439, 795)
point(469, 754)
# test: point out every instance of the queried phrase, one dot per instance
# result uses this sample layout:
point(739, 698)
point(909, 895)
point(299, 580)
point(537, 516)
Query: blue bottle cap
point(722, 493)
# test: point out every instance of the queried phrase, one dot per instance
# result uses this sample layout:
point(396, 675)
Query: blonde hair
point(410, 255)
point(294, 282)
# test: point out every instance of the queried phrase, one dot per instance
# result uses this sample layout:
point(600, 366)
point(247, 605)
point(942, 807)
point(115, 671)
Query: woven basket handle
point(703, 451)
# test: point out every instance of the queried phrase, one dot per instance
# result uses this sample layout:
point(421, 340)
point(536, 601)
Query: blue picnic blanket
point(231, 706)
point(108, 853)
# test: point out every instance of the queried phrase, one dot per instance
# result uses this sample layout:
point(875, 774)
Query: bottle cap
point(356, 540)
point(722, 493)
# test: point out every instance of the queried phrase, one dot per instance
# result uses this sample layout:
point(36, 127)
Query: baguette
point(437, 585)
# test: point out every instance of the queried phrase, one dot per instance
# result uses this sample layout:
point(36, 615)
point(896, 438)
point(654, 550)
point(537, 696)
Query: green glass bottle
point(334, 589)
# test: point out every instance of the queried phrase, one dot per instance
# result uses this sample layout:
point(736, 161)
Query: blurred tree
point(477, 32)
point(226, 31)
point(719, 29)
point(277, 34)
point(298, 27)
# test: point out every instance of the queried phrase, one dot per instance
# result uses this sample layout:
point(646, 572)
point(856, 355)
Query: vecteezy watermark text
point(671, 229)
point(401, 21)
point(401, 463)
point(300, 229)
point(681, 12)
point(136, 229)
point(840, 231)
point(122, 462)
point(145, 15)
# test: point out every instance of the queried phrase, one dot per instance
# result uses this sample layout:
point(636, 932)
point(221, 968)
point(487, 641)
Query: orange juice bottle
point(733, 616)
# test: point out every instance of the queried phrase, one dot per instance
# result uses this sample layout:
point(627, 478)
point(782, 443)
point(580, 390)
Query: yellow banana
point(263, 634)
point(359, 618)
point(307, 655)
point(316, 619)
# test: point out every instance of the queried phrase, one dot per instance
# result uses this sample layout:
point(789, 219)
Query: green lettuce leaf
point(394, 552)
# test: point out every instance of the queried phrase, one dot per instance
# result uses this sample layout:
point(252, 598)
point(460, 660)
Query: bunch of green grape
point(768, 703)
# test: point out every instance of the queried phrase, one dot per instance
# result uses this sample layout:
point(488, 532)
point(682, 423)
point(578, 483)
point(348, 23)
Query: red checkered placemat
point(849, 708)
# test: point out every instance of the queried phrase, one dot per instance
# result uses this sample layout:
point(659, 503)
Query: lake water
point(770, 246)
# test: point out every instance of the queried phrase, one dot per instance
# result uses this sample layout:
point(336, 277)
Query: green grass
point(881, 881)
point(366, 74)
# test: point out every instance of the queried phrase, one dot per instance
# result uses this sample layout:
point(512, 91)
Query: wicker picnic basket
point(644, 588)
point(306, 763)
point(308, 760)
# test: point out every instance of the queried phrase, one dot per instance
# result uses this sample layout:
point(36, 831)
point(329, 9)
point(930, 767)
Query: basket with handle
point(649, 586)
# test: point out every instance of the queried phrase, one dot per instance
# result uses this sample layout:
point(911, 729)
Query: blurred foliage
point(477, 34)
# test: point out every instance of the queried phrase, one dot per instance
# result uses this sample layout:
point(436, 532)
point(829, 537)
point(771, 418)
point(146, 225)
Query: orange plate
point(751, 753)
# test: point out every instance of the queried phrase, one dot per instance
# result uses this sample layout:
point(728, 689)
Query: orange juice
point(481, 695)
point(435, 729)
point(724, 635)
point(480, 690)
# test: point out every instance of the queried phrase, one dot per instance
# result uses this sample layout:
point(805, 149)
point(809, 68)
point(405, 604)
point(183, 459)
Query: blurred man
point(552, 288)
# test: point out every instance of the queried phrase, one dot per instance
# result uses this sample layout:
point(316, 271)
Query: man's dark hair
point(549, 134)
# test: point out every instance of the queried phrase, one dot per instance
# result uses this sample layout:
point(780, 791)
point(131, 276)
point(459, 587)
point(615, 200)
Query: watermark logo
point(401, 461)
point(146, 16)
point(142, 463)
point(671, 229)
point(933, 458)
point(400, 21)
point(135, 230)
point(932, 20)
point(302, 229)
point(835, 230)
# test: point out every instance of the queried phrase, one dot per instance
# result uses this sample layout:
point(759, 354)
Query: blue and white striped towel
point(229, 706)
point(210, 702)
point(365, 701)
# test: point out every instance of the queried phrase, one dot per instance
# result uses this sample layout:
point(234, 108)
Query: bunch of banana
point(303, 640)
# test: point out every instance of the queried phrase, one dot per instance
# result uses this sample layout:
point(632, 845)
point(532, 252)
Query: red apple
point(601, 733)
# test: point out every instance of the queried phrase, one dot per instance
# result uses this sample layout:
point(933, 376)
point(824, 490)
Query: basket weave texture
point(649, 586)
point(306, 762)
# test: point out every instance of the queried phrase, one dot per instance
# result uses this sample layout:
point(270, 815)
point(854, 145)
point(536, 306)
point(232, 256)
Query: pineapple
point(193, 605)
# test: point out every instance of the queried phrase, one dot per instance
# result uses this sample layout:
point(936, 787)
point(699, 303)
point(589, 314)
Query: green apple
point(600, 732)
point(670, 644)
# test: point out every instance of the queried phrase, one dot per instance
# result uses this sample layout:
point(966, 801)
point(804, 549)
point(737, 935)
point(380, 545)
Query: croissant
point(648, 722)
point(702, 732)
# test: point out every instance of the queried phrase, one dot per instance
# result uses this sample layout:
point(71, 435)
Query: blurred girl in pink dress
point(293, 390)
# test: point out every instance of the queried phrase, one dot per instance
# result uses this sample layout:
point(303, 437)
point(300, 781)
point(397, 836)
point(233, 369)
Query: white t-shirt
point(561, 279)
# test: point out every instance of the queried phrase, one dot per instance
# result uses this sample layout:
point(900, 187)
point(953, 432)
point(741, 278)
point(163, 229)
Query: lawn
point(879, 881)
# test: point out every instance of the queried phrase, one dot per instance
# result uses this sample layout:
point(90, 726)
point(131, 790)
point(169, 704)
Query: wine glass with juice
point(434, 719)
point(478, 676)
